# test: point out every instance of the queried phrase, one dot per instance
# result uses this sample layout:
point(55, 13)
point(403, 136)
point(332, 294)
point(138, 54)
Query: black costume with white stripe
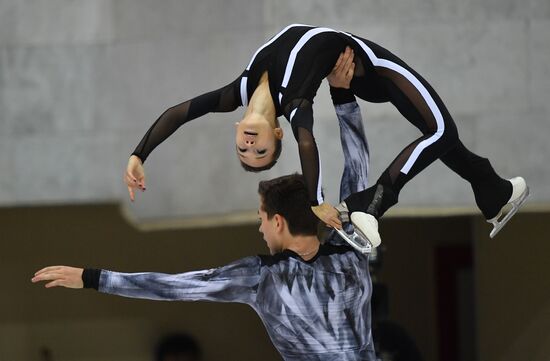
point(297, 59)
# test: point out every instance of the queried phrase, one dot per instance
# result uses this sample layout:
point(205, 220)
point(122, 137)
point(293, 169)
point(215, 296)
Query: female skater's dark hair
point(275, 156)
point(288, 197)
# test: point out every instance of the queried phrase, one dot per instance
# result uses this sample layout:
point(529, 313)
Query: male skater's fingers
point(348, 60)
point(46, 276)
point(331, 221)
point(335, 223)
point(344, 57)
point(328, 214)
point(338, 62)
point(47, 269)
point(332, 216)
point(341, 77)
point(50, 275)
point(351, 70)
point(70, 277)
point(53, 284)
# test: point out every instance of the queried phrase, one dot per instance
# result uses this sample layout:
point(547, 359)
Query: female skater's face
point(255, 141)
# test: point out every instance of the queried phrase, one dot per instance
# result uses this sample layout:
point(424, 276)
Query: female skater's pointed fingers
point(130, 179)
point(132, 195)
point(141, 183)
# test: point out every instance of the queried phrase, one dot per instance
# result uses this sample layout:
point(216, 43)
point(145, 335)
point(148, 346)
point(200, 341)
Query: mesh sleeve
point(300, 114)
point(225, 99)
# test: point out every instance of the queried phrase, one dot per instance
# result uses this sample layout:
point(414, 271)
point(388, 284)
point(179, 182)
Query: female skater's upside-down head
point(258, 142)
point(258, 134)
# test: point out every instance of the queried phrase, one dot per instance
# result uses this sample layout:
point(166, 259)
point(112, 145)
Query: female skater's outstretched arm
point(225, 99)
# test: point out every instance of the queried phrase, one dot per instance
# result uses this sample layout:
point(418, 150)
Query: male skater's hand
point(64, 276)
point(342, 73)
point(134, 176)
point(327, 214)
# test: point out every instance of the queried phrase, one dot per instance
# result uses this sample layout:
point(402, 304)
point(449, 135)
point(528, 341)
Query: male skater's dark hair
point(288, 197)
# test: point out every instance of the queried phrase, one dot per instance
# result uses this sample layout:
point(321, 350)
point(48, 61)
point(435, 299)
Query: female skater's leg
point(424, 109)
point(420, 104)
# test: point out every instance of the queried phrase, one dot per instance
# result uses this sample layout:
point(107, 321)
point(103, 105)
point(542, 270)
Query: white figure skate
point(364, 236)
point(519, 195)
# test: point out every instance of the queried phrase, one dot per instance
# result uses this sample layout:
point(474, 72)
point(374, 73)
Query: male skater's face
point(269, 228)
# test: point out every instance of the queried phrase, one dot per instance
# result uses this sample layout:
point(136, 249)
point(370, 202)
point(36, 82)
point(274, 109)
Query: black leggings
point(418, 102)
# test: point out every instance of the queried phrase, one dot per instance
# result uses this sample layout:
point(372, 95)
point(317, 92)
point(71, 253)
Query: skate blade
point(516, 205)
point(355, 240)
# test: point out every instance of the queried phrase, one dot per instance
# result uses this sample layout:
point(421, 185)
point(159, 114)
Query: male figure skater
point(313, 298)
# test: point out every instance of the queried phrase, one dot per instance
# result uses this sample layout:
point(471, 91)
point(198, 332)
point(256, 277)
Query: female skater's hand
point(64, 276)
point(342, 73)
point(134, 176)
point(327, 214)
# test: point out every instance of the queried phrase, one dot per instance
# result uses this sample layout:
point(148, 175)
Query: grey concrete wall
point(82, 80)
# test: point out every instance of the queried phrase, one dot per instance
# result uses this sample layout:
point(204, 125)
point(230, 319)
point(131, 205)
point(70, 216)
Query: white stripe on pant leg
point(425, 94)
point(386, 64)
point(382, 63)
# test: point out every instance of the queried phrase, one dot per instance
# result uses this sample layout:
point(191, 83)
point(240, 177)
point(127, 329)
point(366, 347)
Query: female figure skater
point(282, 79)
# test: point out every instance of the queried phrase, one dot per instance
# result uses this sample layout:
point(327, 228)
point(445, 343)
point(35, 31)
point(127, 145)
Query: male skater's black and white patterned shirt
point(313, 310)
